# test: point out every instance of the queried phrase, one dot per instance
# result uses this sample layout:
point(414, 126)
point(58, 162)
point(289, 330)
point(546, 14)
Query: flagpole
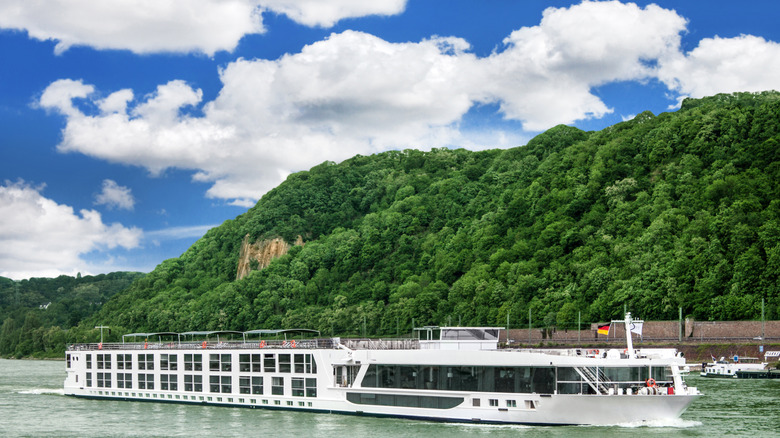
point(629, 341)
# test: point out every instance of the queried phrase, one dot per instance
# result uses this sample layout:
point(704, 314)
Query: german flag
point(604, 329)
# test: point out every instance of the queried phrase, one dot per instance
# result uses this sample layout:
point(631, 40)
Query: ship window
point(311, 387)
point(298, 387)
point(257, 385)
point(168, 382)
point(193, 362)
point(493, 402)
point(244, 364)
point(213, 383)
point(626, 374)
point(104, 380)
point(145, 381)
point(304, 387)
point(244, 384)
point(213, 362)
point(104, 361)
point(67, 359)
point(124, 361)
point(269, 363)
point(277, 386)
point(299, 365)
point(475, 402)
point(412, 401)
point(469, 378)
point(227, 386)
point(226, 360)
point(249, 362)
point(89, 361)
point(124, 380)
point(511, 403)
point(193, 383)
point(145, 361)
point(284, 363)
point(311, 364)
point(89, 379)
point(164, 363)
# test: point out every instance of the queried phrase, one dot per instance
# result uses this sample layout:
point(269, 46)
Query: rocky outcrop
point(258, 255)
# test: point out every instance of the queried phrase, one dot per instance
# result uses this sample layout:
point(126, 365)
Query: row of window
point(541, 380)
point(201, 398)
point(300, 386)
point(299, 363)
point(424, 401)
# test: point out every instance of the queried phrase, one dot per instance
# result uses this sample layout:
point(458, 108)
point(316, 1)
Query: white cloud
point(352, 93)
point(545, 75)
point(326, 13)
point(115, 196)
point(355, 93)
point(724, 65)
point(39, 237)
point(151, 26)
point(60, 95)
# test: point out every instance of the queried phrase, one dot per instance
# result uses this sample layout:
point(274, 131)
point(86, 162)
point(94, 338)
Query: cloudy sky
point(130, 127)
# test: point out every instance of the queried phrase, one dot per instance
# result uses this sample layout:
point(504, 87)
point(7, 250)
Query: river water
point(32, 404)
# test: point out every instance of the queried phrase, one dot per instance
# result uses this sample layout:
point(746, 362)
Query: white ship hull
point(553, 387)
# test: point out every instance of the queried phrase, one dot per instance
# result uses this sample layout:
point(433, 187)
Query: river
point(32, 404)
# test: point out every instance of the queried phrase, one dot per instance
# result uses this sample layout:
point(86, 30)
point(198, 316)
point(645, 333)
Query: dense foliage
point(38, 314)
point(680, 210)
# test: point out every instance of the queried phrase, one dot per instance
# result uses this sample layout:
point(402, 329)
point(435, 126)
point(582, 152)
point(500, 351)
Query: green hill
point(36, 314)
point(676, 210)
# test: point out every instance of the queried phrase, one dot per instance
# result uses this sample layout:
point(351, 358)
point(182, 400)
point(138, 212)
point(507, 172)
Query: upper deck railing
point(325, 343)
point(322, 343)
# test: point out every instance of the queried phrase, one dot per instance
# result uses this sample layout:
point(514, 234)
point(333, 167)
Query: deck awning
point(284, 332)
point(147, 335)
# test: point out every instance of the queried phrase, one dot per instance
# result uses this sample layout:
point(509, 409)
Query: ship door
point(345, 374)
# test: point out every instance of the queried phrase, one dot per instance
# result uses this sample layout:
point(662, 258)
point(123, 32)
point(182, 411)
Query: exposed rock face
point(263, 252)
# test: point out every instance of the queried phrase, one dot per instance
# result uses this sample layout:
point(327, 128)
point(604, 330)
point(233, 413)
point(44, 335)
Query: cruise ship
point(453, 374)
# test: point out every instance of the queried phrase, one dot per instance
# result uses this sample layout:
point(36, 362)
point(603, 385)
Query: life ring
point(293, 343)
point(203, 345)
point(146, 345)
point(650, 383)
point(100, 346)
point(262, 344)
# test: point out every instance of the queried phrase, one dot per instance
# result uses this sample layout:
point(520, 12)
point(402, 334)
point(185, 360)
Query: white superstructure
point(450, 374)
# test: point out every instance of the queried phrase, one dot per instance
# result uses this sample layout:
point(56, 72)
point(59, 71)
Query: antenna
point(101, 327)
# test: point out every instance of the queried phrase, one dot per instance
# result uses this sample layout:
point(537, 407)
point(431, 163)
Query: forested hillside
point(676, 210)
point(37, 313)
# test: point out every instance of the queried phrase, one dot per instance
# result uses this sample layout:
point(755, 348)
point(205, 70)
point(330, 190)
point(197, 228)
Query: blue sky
point(128, 128)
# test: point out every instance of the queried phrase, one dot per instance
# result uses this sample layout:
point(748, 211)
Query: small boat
point(722, 368)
